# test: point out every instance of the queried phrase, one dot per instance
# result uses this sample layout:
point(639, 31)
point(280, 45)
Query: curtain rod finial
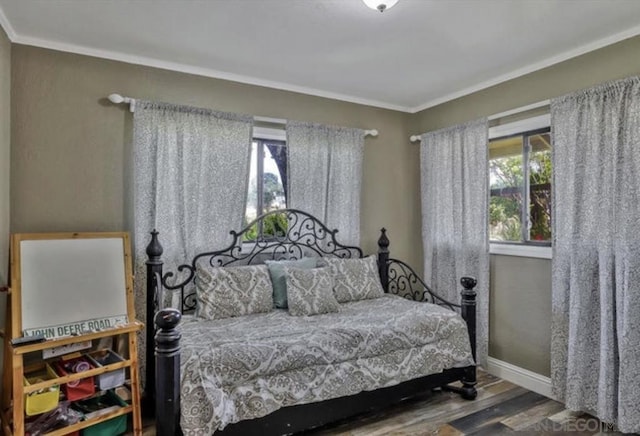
point(116, 98)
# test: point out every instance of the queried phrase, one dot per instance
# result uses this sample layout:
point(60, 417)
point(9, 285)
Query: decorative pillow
point(276, 270)
point(355, 279)
point(310, 291)
point(224, 292)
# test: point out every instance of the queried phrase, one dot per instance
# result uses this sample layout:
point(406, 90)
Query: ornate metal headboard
point(276, 235)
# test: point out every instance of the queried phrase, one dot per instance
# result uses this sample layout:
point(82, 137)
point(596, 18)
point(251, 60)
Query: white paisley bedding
point(247, 367)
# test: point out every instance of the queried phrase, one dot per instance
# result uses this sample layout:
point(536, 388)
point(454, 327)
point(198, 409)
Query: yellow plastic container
point(44, 400)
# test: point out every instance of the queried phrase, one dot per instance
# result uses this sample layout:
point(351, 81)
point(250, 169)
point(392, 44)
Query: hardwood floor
point(501, 408)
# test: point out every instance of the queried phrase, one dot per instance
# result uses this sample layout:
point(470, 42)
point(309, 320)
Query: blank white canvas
point(70, 280)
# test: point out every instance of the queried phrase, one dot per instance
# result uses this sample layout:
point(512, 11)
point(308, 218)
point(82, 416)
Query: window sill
point(535, 251)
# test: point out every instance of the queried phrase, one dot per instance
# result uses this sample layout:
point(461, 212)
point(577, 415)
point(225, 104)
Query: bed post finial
point(154, 249)
point(167, 383)
point(154, 270)
point(383, 259)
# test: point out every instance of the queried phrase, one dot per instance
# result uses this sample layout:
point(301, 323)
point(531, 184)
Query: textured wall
point(5, 145)
point(5, 164)
point(70, 144)
point(520, 312)
point(520, 301)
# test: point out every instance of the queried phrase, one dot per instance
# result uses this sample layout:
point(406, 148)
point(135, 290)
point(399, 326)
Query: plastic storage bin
point(111, 379)
point(40, 401)
point(78, 389)
point(98, 406)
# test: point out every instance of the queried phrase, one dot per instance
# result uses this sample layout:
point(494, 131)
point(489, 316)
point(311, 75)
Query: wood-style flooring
point(501, 408)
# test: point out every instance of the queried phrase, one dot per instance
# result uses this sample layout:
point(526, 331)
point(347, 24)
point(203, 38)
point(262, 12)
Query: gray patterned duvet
point(247, 367)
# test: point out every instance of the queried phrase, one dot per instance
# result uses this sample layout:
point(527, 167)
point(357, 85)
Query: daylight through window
point(520, 185)
point(267, 187)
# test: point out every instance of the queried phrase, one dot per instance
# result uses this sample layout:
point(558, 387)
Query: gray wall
point(5, 164)
point(68, 148)
point(5, 144)
point(69, 142)
point(520, 294)
point(520, 312)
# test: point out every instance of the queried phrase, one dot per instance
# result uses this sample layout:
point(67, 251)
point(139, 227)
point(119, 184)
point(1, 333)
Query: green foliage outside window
point(540, 197)
point(508, 192)
point(275, 225)
point(505, 208)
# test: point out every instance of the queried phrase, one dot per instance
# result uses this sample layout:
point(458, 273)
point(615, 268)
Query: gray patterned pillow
point(278, 279)
point(355, 279)
point(310, 291)
point(224, 292)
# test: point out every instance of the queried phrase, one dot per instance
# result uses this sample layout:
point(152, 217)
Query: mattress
point(247, 367)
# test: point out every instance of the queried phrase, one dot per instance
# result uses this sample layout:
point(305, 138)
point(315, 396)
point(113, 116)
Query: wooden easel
point(12, 412)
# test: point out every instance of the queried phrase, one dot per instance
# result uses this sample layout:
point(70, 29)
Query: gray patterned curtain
point(595, 347)
point(454, 187)
point(191, 169)
point(325, 175)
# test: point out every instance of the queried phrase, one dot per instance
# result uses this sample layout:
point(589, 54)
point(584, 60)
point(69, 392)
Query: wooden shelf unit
point(13, 416)
point(12, 410)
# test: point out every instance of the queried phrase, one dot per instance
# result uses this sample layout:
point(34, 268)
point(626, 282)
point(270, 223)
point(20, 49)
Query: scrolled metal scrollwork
point(404, 281)
point(304, 236)
point(189, 302)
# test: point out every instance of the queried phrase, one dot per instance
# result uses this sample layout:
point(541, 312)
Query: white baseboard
point(520, 376)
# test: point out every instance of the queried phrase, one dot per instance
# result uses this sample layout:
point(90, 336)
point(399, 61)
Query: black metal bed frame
point(304, 235)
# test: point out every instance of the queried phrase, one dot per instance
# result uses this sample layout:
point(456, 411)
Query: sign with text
point(77, 328)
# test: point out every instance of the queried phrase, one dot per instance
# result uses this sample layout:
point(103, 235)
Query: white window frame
point(514, 248)
point(269, 134)
point(526, 125)
point(521, 250)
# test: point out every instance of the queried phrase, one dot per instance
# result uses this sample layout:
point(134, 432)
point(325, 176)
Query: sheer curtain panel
point(595, 341)
point(454, 189)
point(191, 170)
point(325, 175)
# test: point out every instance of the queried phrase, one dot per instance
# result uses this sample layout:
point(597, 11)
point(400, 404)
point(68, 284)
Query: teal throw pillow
point(279, 280)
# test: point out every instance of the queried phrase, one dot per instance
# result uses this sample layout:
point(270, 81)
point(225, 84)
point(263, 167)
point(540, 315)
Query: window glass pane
point(266, 189)
point(273, 192)
point(251, 210)
point(273, 188)
point(506, 185)
point(540, 187)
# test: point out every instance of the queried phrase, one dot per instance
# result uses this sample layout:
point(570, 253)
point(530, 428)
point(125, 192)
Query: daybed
point(347, 343)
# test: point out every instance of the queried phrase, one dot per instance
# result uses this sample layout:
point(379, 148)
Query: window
point(520, 187)
point(267, 187)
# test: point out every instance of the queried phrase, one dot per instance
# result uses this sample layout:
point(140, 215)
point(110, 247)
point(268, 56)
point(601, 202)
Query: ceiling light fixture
point(380, 5)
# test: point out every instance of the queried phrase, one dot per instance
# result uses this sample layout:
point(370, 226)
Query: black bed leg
point(468, 391)
point(167, 372)
point(468, 311)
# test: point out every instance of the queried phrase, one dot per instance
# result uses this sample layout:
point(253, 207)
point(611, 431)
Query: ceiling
point(416, 55)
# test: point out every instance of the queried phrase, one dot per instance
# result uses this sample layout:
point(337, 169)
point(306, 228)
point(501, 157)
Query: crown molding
point(207, 72)
point(595, 45)
point(200, 71)
point(6, 25)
